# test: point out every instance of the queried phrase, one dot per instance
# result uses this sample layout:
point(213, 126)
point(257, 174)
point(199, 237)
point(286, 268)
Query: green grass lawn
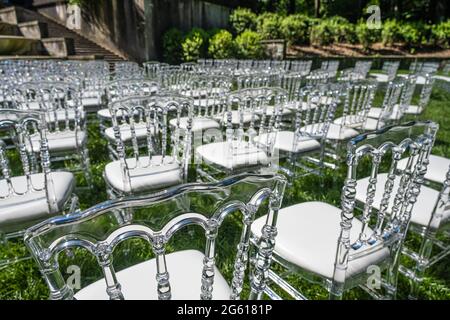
point(23, 280)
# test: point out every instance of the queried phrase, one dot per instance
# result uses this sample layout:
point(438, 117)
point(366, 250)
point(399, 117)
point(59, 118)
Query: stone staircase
point(55, 40)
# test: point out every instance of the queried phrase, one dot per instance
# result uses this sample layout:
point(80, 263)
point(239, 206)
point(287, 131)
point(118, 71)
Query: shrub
point(440, 34)
point(335, 29)
point(248, 45)
point(295, 29)
point(411, 34)
point(363, 33)
point(195, 44)
point(391, 32)
point(221, 45)
point(268, 25)
point(242, 19)
point(172, 49)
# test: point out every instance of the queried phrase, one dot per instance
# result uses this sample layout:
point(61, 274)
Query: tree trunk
point(317, 8)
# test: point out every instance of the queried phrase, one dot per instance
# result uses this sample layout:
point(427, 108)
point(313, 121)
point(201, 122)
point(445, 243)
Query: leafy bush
point(335, 29)
point(195, 44)
point(172, 50)
point(295, 29)
point(248, 45)
point(242, 19)
point(268, 25)
point(412, 33)
point(391, 32)
point(363, 33)
point(440, 34)
point(221, 45)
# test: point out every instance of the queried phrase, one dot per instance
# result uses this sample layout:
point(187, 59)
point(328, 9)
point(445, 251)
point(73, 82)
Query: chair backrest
point(291, 82)
point(407, 92)
point(265, 105)
point(22, 125)
point(390, 68)
point(357, 103)
point(391, 99)
point(330, 67)
point(210, 205)
point(302, 66)
point(425, 93)
point(164, 142)
point(61, 101)
point(122, 88)
point(209, 93)
point(314, 111)
point(126, 69)
point(258, 80)
point(382, 149)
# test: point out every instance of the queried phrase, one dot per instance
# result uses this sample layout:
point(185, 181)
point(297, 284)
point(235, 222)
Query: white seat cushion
point(412, 109)
point(198, 124)
point(59, 141)
point(372, 124)
point(378, 113)
point(232, 156)
point(422, 210)
point(61, 115)
point(138, 282)
point(19, 211)
point(236, 117)
point(91, 102)
point(308, 237)
point(140, 130)
point(335, 132)
point(271, 109)
point(351, 121)
point(436, 170)
point(284, 141)
point(207, 102)
point(144, 177)
point(380, 77)
point(104, 113)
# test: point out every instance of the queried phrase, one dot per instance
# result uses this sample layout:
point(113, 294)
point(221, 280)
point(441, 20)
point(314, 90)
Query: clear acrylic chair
point(302, 66)
point(30, 191)
point(233, 149)
point(120, 89)
point(65, 118)
point(340, 248)
point(180, 275)
point(302, 147)
point(424, 97)
point(156, 160)
point(209, 94)
point(388, 71)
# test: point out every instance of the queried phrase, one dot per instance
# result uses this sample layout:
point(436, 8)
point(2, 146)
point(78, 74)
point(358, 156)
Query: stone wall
point(134, 28)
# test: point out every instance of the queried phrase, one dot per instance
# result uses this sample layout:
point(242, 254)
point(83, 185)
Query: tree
point(317, 8)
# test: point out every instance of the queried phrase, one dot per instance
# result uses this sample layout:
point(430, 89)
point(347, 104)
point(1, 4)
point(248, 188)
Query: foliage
point(440, 34)
point(295, 29)
point(248, 45)
point(335, 29)
point(172, 50)
point(391, 32)
point(195, 44)
point(413, 34)
point(268, 25)
point(242, 19)
point(363, 33)
point(221, 45)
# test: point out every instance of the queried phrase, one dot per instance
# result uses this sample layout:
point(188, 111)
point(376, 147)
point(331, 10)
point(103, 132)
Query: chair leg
point(85, 162)
point(421, 265)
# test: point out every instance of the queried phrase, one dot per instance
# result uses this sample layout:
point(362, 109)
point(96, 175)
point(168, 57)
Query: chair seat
point(20, 211)
point(236, 117)
point(202, 102)
point(106, 114)
point(380, 77)
point(138, 282)
point(140, 130)
point(335, 131)
point(91, 102)
point(423, 209)
point(61, 115)
point(372, 124)
point(287, 141)
point(198, 124)
point(413, 109)
point(377, 113)
point(436, 170)
point(232, 156)
point(350, 121)
point(308, 238)
point(60, 141)
point(197, 93)
point(271, 109)
point(158, 175)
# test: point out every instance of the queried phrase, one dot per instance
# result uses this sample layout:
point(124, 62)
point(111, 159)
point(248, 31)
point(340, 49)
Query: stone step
point(33, 29)
point(59, 47)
